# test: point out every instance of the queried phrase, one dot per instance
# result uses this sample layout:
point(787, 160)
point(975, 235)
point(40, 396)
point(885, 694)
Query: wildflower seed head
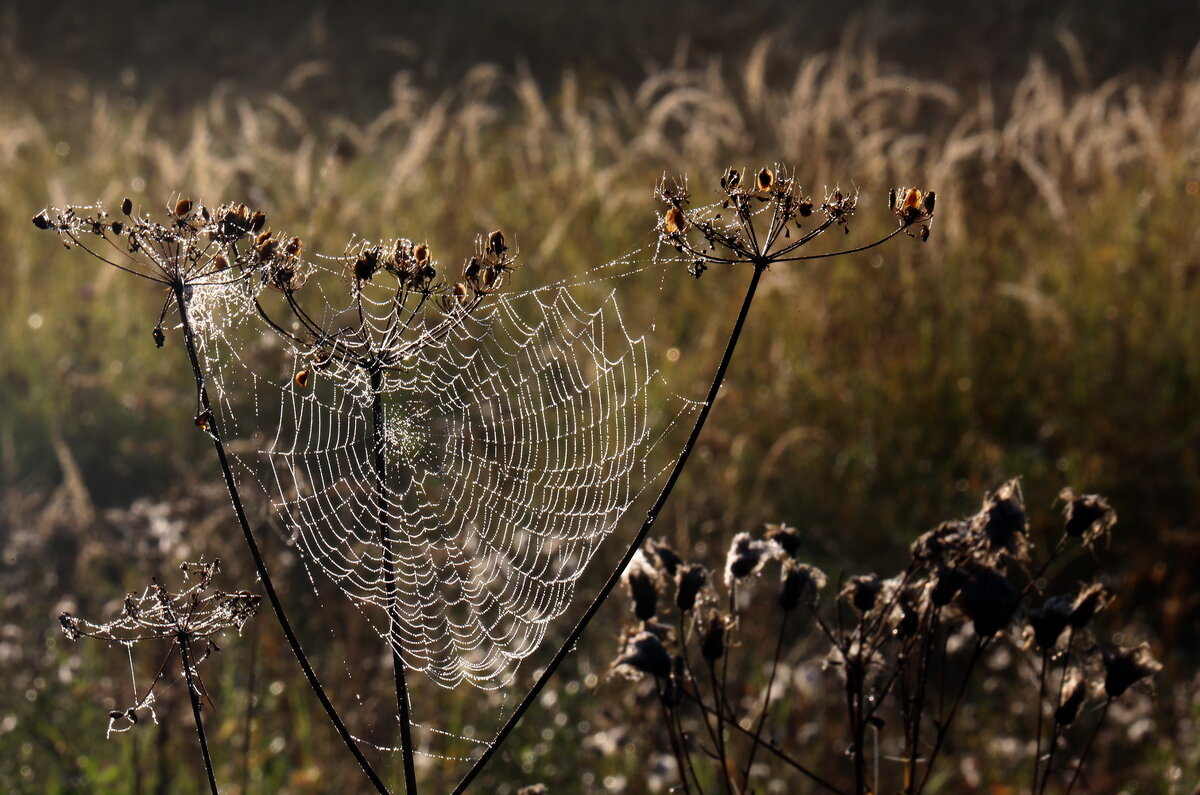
point(912, 205)
point(70, 626)
point(303, 378)
point(1091, 599)
point(643, 653)
point(784, 537)
point(863, 590)
point(665, 559)
point(1049, 620)
point(799, 584)
point(1001, 525)
point(948, 543)
point(765, 180)
point(689, 581)
point(988, 599)
point(1074, 690)
point(1125, 667)
point(947, 582)
point(731, 180)
point(1089, 517)
point(643, 583)
point(746, 556)
point(712, 636)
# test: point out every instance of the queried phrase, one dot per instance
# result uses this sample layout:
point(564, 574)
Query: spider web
point(513, 439)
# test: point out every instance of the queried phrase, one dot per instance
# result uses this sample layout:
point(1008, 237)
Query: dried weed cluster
point(909, 655)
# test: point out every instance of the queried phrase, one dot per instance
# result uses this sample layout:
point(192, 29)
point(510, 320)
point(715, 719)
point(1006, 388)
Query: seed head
point(182, 207)
point(689, 581)
point(1049, 620)
point(126, 206)
point(1126, 667)
point(799, 584)
point(663, 556)
point(786, 538)
point(644, 653)
point(712, 636)
point(643, 583)
point(674, 222)
point(1090, 599)
point(1074, 690)
point(988, 599)
point(765, 180)
point(303, 378)
point(863, 590)
point(1089, 517)
point(746, 556)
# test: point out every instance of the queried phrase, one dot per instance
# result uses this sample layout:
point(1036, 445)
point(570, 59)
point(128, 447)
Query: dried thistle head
point(799, 584)
point(643, 582)
point(987, 598)
point(1001, 525)
point(1125, 667)
point(785, 537)
point(643, 652)
point(1091, 599)
point(1074, 690)
point(712, 626)
point(663, 556)
point(1049, 620)
point(1089, 517)
point(863, 590)
point(689, 580)
point(746, 556)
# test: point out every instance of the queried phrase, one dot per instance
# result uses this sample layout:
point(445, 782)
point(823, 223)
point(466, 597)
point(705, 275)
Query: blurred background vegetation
point(1049, 329)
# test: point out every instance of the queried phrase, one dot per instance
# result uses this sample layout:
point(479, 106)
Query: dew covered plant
point(901, 659)
point(449, 464)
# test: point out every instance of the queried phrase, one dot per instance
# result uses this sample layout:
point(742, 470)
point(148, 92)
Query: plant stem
point(260, 565)
point(948, 720)
point(185, 650)
point(651, 517)
point(1041, 707)
point(762, 718)
point(1088, 746)
point(389, 565)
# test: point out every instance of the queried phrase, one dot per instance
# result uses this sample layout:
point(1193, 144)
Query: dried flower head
point(784, 537)
point(643, 583)
point(643, 653)
point(1089, 517)
point(799, 584)
point(863, 591)
point(1049, 620)
point(712, 635)
point(1091, 599)
point(1001, 525)
point(987, 598)
point(1074, 690)
point(1125, 667)
point(688, 583)
point(664, 558)
point(746, 556)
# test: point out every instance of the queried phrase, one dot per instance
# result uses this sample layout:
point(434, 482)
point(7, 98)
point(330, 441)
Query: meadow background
point(1049, 329)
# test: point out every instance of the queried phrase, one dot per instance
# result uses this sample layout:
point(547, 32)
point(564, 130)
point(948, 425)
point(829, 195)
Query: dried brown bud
point(219, 263)
point(258, 221)
point(159, 337)
point(645, 653)
point(732, 179)
point(688, 584)
point(663, 556)
point(117, 227)
point(1074, 690)
point(746, 555)
point(421, 254)
point(303, 377)
point(1124, 668)
point(712, 636)
point(799, 583)
point(1089, 517)
point(126, 205)
point(988, 599)
point(42, 220)
point(1089, 600)
point(294, 247)
point(643, 588)
point(786, 538)
point(863, 590)
point(183, 207)
point(1049, 620)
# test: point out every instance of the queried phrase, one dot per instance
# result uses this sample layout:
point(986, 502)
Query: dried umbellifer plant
point(971, 584)
point(190, 620)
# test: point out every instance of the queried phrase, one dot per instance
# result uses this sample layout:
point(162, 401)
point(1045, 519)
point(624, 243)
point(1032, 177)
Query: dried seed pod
point(1089, 517)
point(117, 227)
point(42, 220)
point(294, 247)
point(1074, 690)
point(159, 337)
point(927, 204)
point(799, 584)
point(219, 263)
point(946, 585)
point(746, 555)
point(731, 179)
point(1126, 667)
point(863, 591)
point(688, 584)
point(116, 714)
point(786, 538)
point(303, 378)
point(1090, 599)
point(1049, 620)
point(127, 206)
point(712, 636)
point(258, 221)
point(183, 207)
point(988, 599)
point(645, 653)
point(643, 584)
point(421, 254)
point(663, 556)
